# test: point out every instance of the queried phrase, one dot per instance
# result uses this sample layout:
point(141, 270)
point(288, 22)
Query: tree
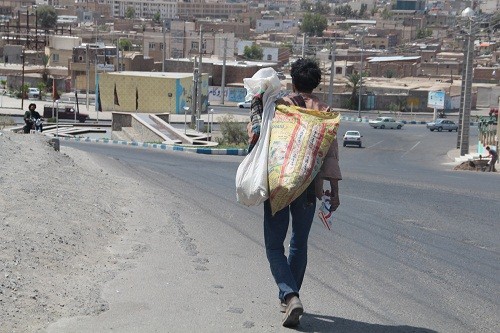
point(253, 52)
point(313, 24)
point(423, 33)
point(344, 11)
point(353, 81)
point(129, 12)
point(125, 45)
point(362, 10)
point(157, 18)
point(305, 5)
point(322, 8)
point(42, 87)
point(45, 62)
point(47, 16)
point(386, 13)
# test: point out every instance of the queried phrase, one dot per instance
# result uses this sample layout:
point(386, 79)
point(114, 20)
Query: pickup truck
point(65, 112)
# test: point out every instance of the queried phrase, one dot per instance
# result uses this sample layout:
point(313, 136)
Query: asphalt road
point(414, 246)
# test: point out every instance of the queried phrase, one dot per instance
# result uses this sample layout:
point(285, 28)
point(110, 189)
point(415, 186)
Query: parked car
point(442, 124)
point(385, 122)
point(352, 138)
point(33, 93)
point(65, 112)
point(245, 104)
point(281, 76)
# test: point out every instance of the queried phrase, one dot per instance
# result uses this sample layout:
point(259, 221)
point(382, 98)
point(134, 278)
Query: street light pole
point(465, 100)
point(360, 79)
point(200, 75)
point(164, 46)
point(186, 109)
point(332, 73)
point(23, 55)
point(223, 83)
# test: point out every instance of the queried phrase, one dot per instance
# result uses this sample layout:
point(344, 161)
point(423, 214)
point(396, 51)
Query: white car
point(385, 122)
point(245, 104)
point(352, 138)
point(33, 93)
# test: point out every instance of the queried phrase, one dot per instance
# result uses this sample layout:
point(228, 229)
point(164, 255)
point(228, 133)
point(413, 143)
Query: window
point(269, 57)
point(161, 46)
point(152, 46)
point(194, 45)
point(55, 57)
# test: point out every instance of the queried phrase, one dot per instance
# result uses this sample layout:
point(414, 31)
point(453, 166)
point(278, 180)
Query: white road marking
point(375, 144)
point(363, 199)
point(416, 144)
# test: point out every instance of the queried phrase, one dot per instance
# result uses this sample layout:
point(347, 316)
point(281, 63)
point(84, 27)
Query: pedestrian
point(288, 272)
point(494, 158)
point(30, 118)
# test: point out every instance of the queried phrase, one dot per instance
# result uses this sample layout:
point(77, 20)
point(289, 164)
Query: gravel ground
point(60, 213)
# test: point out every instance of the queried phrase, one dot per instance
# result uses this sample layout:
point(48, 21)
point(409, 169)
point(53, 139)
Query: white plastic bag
point(251, 178)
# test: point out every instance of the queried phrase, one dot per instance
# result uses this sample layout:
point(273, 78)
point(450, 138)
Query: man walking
point(494, 158)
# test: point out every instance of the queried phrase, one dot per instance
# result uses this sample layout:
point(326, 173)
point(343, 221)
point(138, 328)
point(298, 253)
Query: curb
point(161, 146)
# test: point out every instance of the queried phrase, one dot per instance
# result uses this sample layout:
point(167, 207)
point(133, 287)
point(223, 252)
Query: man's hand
point(334, 195)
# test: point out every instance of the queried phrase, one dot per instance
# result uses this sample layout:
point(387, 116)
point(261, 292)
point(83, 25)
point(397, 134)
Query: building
point(60, 49)
point(149, 92)
point(272, 24)
point(393, 66)
point(415, 5)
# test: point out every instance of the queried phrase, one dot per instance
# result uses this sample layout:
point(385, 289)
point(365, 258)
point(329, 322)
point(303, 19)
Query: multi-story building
point(169, 9)
point(272, 24)
point(60, 49)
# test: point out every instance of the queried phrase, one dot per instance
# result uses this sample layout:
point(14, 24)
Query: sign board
point(436, 99)
point(106, 67)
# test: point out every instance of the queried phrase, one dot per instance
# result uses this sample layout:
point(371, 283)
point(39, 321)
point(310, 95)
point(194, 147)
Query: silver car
point(385, 122)
point(442, 124)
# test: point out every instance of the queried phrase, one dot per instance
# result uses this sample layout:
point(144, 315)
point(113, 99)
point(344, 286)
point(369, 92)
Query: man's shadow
point(310, 322)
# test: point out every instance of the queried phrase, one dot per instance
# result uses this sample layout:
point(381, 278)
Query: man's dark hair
point(306, 75)
point(32, 104)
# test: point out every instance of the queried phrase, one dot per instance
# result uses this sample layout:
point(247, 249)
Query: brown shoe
point(293, 312)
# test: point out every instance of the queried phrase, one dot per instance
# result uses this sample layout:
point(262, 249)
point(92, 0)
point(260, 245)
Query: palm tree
point(353, 81)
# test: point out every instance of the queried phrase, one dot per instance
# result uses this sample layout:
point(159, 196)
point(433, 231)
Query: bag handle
point(298, 100)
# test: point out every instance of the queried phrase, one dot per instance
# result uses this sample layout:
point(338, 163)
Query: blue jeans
point(288, 273)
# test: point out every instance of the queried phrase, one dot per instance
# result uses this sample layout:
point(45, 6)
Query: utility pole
point(23, 56)
point(223, 83)
point(200, 74)
point(87, 68)
point(194, 92)
point(332, 73)
point(303, 45)
point(96, 91)
point(466, 87)
point(360, 79)
point(164, 46)
point(117, 55)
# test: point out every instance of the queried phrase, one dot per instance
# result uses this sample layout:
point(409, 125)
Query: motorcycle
point(38, 124)
point(33, 124)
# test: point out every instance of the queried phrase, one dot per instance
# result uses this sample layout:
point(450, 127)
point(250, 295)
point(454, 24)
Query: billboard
point(436, 99)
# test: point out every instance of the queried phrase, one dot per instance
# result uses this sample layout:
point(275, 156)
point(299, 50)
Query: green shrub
point(233, 133)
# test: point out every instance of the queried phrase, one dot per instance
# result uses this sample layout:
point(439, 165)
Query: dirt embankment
point(57, 219)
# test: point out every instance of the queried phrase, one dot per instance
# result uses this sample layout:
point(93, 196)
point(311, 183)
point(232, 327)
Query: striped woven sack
point(300, 139)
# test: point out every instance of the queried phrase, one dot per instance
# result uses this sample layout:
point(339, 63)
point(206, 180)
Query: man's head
point(32, 107)
point(306, 75)
point(488, 148)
